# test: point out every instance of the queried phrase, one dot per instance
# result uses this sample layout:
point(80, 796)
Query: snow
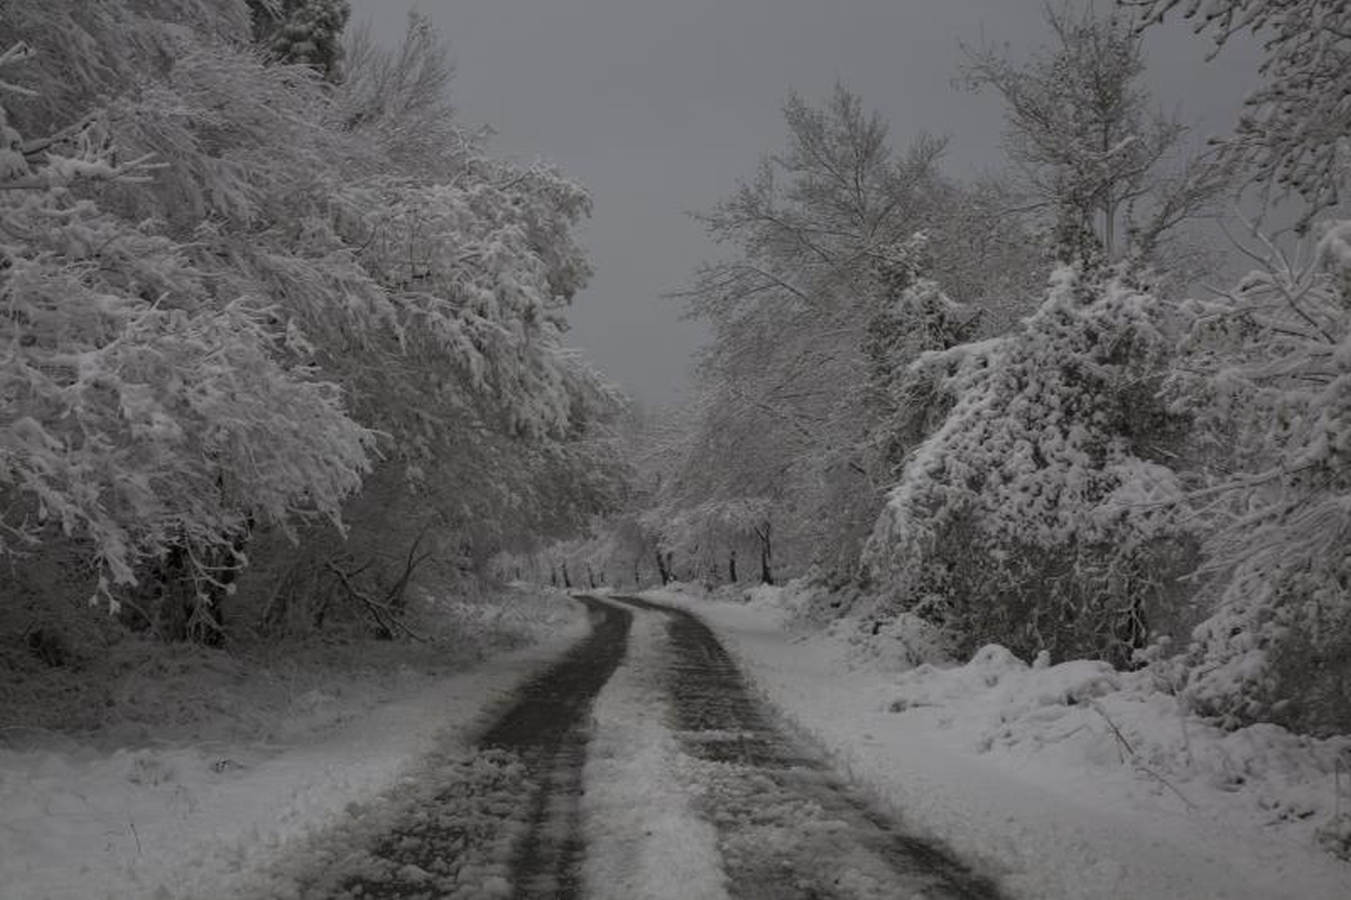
point(643, 837)
point(195, 820)
point(1070, 781)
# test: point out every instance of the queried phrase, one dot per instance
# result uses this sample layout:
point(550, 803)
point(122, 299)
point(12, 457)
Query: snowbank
point(192, 820)
point(1070, 781)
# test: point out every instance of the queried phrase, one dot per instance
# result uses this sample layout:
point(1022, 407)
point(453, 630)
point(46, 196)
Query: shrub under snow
point(1040, 514)
point(1267, 375)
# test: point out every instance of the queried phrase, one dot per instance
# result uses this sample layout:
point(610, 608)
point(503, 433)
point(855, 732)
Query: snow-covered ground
point(195, 819)
point(1067, 781)
point(644, 839)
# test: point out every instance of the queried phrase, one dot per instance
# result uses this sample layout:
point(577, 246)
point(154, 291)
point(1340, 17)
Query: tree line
point(278, 328)
point(1029, 409)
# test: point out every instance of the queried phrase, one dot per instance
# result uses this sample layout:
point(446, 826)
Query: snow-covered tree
point(282, 293)
point(1295, 131)
point(1091, 151)
point(145, 410)
point(822, 249)
point(304, 32)
point(1038, 514)
point(1265, 374)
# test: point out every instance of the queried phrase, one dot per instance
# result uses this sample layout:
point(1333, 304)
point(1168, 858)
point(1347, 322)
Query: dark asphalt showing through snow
point(505, 821)
point(789, 829)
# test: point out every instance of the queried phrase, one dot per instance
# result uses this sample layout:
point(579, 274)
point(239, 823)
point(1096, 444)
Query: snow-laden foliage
point(226, 292)
point(1295, 130)
point(806, 308)
point(1267, 375)
point(915, 316)
point(1040, 512)
point(1092, 151)
point(307, 32)
point(142, 410)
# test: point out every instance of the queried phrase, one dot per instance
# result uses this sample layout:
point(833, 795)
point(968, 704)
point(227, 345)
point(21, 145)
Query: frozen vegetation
point(1038, 476)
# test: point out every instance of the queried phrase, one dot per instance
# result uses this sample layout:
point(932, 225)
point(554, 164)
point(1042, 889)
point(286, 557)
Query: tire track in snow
point(788, 828)
point(547, 729)
point(503, 822)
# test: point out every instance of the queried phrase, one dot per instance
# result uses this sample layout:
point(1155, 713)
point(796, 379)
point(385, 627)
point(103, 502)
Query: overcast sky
point(659, 106)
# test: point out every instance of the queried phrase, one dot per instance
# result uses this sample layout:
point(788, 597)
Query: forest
point(1093, 406)
point(285, 342)
point(1014, 503)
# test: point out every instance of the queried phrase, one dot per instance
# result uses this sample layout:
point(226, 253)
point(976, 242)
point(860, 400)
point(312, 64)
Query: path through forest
point(506, 820)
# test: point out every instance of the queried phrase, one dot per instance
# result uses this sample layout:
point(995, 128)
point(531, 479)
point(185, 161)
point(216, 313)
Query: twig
point(374, 607)
point(1135, 759)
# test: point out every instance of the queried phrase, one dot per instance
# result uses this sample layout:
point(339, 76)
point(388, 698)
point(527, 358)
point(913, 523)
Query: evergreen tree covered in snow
point(914, 316)
point(1038, 514)
point(1264, 372)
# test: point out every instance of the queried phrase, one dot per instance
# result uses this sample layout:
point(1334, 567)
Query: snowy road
point(503, 822)
point(638, 765)
point(788, 827)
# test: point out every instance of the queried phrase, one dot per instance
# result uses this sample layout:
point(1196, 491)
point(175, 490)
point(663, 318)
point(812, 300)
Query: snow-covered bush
point(1040, 514)
point(1267, 376)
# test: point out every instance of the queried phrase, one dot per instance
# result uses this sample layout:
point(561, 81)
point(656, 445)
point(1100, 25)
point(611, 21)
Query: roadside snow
point(644, 840)
point(192, 821)
point(1069, 781)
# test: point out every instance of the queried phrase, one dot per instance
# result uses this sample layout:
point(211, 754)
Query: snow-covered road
point(499, 822)
point(787, 826)
point(638, 765)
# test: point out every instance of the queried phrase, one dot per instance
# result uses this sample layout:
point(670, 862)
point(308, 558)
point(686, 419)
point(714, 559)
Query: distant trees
point(236, 304)
point(822, 249)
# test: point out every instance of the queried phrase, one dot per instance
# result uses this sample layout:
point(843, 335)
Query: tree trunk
point(766, 574)
point(731, 567)
point(567, 579)
point(663, 568)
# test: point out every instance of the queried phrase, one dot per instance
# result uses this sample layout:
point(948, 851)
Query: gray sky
point(659, 106)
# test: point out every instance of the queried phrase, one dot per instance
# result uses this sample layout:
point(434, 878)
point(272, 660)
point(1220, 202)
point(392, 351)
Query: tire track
point(789, 829)
point(505, 821)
